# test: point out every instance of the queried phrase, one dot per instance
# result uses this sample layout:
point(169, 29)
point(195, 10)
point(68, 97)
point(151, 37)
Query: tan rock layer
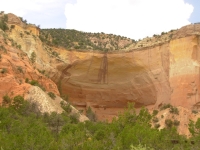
point(164, 71)
point(167, 73)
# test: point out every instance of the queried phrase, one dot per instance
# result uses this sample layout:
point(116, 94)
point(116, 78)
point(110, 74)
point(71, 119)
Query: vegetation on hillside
point(72, 39)
point(22, 126)
point(3, 20)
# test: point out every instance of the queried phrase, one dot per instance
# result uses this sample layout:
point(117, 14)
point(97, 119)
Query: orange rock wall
point(166, 73)
point(185, 71)
point(139, 76)
point(14, 69)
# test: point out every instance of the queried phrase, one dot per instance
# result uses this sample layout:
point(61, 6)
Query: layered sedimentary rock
point(46, 105)
point(15, 68)
point(166, 72)
point(151, 72)
point(185, 71)
point(14, 71)
point(21, 26)
point(107, 82)
point(27, 37)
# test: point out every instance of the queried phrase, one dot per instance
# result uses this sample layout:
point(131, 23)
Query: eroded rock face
point(13, 19)
point(185, 71)
point(43, 101)
point(30, 43)
point(138, 76)
point(45, 104)
point(15, 68)
point(151, 76)
point(21, 26)
point(158, 70)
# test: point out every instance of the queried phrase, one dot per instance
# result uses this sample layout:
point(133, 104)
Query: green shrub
point(5, 18)
point(27, 80)
point(21, 35)
point(4, 70)
point(33, 57)
point(12, 26)
point(19, 46)
point(74, 118)
point(176, 122)
point(194, 127)
point(52, 95)
point(165, 106)
point(3, 25)
point(174, 110)
point(6, 100)
point(25, 128)
point(18, 101)
point(100, 134)
point(157, 125)
point(163, 33)
point(168, 123)
point(66, 106)
point(194, 111)
point(35, 83)
point(140, 147)
point(155, 119)
point(55, 53)
point(2, 48)
point(28, 33)
point(72, 39)
point(19, 68)
point(155, 112)
point(90, 114)
point(41, 71)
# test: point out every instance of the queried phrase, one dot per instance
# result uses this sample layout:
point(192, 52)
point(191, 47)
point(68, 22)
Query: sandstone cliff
point(162, 72)
point(153, 71)
point(18, 67)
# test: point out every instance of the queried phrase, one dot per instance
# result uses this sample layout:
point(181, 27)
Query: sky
point(135, 19)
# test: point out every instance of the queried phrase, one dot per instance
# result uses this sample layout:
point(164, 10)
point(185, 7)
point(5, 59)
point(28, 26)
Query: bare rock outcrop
point(141, 77)
point(13, 19)
point(43, 101)
point(151, 72)
point(46, 104)
point(151, 76)
point(15, 69)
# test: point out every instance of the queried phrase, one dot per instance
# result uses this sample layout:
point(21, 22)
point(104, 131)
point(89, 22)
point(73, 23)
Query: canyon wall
point(15, 69)
point(154, 71)
point(185, 72)
point(140, 76)
point(151, 76)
